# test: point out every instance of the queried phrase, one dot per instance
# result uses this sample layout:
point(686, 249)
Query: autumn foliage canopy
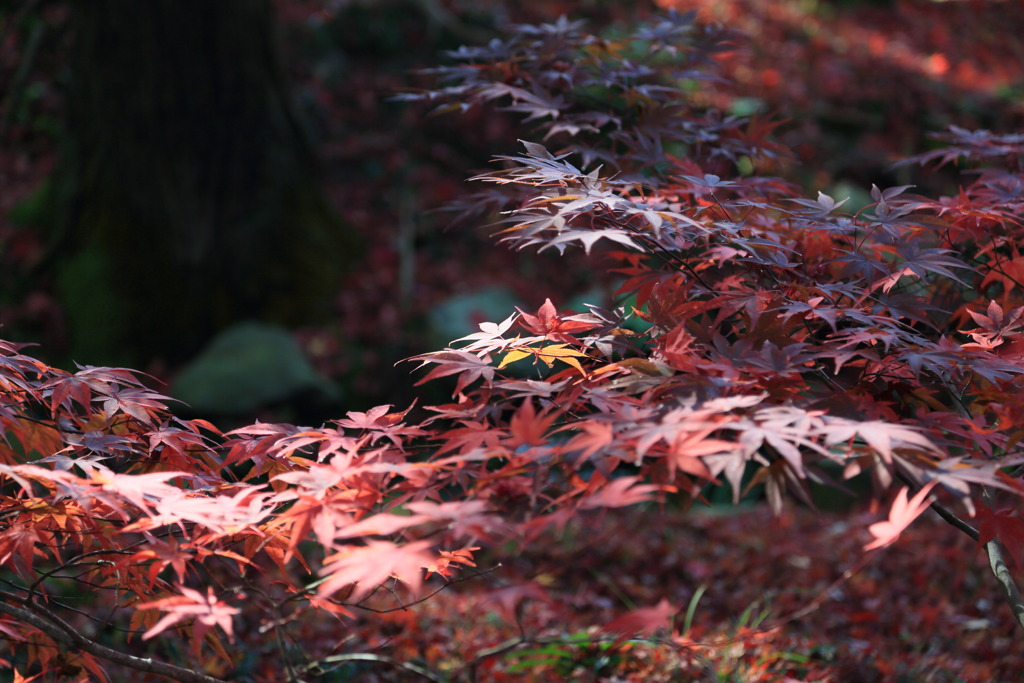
point(762, 343)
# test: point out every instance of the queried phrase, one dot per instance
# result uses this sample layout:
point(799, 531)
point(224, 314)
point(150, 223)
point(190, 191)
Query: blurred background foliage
point(173, 174)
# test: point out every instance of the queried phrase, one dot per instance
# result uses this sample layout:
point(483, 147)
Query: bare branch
point(944, 512)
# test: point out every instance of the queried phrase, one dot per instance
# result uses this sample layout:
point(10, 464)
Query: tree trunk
point(186, 194)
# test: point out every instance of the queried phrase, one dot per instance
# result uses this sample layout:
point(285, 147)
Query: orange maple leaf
point(527, 428)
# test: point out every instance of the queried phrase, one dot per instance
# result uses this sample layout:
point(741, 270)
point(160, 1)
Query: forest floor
point(752, 597)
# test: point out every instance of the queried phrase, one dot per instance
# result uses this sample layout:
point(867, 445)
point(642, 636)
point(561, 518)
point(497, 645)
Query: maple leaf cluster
point(169, 526)
point(781, 338)
point(764, 340)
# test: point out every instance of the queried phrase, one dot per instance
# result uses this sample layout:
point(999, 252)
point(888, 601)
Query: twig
point(496, 650)
point(448, 584)
point(953, 520)
point(317, 666)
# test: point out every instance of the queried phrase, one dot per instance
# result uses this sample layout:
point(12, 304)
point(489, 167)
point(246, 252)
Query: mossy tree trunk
point(186, 195)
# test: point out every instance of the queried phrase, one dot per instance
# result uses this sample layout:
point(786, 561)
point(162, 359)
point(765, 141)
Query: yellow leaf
point(513, 356)
point(560, 350)
point(575, 363)
point(563, 353)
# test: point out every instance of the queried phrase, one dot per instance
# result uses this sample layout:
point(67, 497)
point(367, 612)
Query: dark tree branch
point(994, 550)
point(64, 634)
point(943, 512)
point(996, 561)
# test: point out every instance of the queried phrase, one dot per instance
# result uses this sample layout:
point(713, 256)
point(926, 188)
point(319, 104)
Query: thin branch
point(943, 512)
point(317, 667)
point(64, 634)
point(500, 648)
point(448, 584)
point(33, 590)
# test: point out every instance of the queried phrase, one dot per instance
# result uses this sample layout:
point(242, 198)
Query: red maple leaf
point(372, 565)
point(164, 554)
point(19, 542)
point(527, 427)
point(469, 367)
point(593, 437)
point(620, 492)
point(547, 322)
point(1006, 525)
